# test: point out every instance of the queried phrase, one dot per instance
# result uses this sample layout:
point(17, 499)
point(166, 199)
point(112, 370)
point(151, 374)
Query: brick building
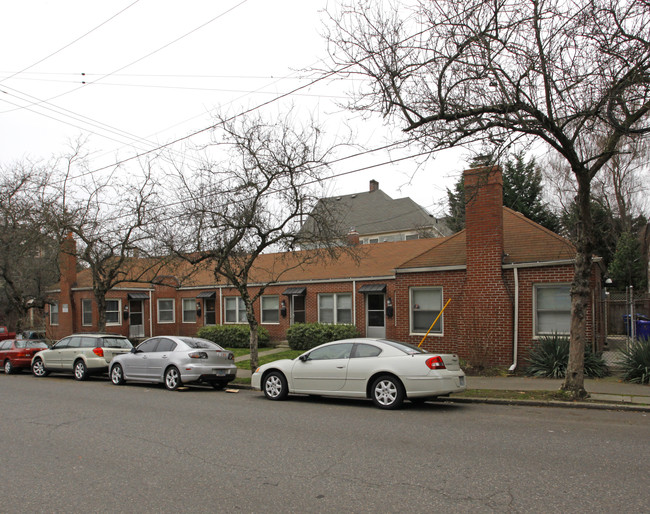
point(506, 279)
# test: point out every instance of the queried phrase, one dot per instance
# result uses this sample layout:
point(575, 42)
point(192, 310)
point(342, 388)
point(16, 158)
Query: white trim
point(437, 268)
point(193, 309)
point(173, 320)
point(335, 297)
point(537, 285)
point(83, 312)
point(119, 312)
point(441, 321)
point(262, 322)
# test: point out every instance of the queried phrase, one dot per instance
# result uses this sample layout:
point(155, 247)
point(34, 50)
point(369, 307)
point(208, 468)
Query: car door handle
point(164, 356)
point(340, 367)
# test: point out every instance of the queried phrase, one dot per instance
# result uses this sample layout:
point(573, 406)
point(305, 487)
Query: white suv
point(82, 354)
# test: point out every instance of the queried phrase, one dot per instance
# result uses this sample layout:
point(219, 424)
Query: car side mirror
point(134, 350)
point(304, 357)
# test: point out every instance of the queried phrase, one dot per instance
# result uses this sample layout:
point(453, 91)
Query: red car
point(16, 354)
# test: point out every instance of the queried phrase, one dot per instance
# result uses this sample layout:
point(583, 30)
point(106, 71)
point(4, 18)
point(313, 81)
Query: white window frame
point(537, 287)
point(159, 310)
point(119, 312)
point(239, 307)
point(191, 309)
point(439, 329)
point(54, 314)
point(86, 309)
point(335, 308)
point(275, 308)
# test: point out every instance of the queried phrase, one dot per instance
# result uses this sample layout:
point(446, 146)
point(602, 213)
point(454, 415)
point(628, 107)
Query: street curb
point(524, 403)
point(551, 403)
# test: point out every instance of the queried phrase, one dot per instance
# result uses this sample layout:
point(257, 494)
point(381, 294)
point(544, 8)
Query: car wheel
point(275, 386)
point(218, 385)
point(38, 369)
point(117, 375)
point(80, 370)
point(387, 392)
point(9, 369)
point(173, 379)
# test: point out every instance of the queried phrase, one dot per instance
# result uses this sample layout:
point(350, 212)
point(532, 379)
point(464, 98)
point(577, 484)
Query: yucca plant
point(635, 362)
point(550, 356)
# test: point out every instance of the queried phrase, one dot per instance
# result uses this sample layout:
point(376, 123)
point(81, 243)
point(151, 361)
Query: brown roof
point(524, 241)
point(373, 260)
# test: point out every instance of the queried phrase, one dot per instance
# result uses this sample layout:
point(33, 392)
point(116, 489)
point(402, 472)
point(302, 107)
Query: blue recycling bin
point(641, 325)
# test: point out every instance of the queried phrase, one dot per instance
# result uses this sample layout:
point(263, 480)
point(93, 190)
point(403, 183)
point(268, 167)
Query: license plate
point(220, 372)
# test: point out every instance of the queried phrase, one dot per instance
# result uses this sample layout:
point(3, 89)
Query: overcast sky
point(155, 70)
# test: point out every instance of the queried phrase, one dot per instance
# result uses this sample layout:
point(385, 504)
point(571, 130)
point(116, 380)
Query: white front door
point(136, 319)
point(375, 315)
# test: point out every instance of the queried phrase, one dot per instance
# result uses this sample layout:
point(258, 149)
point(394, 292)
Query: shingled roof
point(524, 242)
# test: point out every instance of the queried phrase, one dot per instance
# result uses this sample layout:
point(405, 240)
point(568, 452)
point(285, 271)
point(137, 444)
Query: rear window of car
point(116, 342)
point(193, 342)
point(407, 348)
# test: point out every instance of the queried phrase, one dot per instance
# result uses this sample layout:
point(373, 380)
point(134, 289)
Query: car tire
point(38, 369)
point(9, 369)
point(387, 392)
point(117, 375)
point(80, 370)
point(173, 378)
point(275, 386)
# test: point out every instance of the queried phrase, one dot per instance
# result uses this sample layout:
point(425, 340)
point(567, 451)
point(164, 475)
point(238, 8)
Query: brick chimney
point(486, 306)
point(374, 185)
point(353, 237)
point(68, 269)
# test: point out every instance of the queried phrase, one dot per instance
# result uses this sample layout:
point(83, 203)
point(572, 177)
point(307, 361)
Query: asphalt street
point(95, 447)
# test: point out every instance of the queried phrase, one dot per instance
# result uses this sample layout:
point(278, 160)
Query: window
point(210, 311)
point(270, 309)
point(166, 345)
point(113, 312)
point(166, 310)
point(426, 303)
point(54, 313)
point(333, 351)
point(189, 310)
point(235, 310)
point(362, 350)
point(552, 309)
point(149, 345)
point(86, 312)
point(335, 308)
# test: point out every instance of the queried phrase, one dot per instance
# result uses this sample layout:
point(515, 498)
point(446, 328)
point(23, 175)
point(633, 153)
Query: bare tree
point(251, 202)
point(28, 253)
point(558, 72)
point(109, 220)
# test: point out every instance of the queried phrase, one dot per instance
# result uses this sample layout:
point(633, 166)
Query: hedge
point(233, 336)
point(304, 336)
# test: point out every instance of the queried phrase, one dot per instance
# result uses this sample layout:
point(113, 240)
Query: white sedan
point(386, 371)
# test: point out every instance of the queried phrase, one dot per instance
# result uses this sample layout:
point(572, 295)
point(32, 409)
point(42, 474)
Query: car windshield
point(116, 342)
point(407, 348)
point(35, 344)
point(194, 342)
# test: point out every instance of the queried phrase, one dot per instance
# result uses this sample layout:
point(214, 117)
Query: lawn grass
point(265, 359)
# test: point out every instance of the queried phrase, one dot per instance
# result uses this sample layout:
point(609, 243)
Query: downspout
point(150, 313)
point(354, 303)
point(515, 337)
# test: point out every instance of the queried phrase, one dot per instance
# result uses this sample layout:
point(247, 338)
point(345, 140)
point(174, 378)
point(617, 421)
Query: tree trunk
point(253, 344)
point(101, 311)
point(580, 295)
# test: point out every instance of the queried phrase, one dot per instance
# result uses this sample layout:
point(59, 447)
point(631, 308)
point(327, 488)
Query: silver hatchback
point(174, 361)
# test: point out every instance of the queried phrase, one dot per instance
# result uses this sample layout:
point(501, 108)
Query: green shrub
point(304, 336)
point(635, 361)
point(233, 336)
point(550, 357)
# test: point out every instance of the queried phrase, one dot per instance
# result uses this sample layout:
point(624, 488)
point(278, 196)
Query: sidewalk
point(606, 393)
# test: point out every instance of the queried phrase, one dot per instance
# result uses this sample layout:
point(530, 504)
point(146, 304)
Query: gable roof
point(375, 212)
point(524, 241)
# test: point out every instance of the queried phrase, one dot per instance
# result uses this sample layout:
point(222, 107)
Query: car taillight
point(98, 351)
point(198, 355)
point(435, 363)
point(231, 356)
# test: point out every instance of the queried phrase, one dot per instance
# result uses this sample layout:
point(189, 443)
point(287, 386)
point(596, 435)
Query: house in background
point(506, 281)
point(374, 217)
